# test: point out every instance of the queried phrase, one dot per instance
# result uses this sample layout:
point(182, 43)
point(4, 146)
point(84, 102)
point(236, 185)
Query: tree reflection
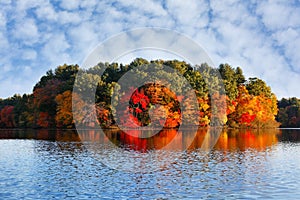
point(142, 140)
point(190, 139)
point(64, 139)
point(289, 135)
point(236, 139)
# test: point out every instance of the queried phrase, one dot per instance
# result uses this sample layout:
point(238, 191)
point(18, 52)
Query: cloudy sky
point(263, 37)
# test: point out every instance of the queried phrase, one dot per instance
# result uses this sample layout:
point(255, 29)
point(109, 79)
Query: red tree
point(7, 116)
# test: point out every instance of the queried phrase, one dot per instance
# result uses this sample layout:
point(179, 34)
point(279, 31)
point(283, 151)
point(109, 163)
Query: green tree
point(240, 78)
point(229, 77)
point(256, 87)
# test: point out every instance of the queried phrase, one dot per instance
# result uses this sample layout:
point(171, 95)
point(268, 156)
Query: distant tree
point(21, 107)
point(7, 117)
point(256, 87)
point(45, 104)
point(228, 75)
point(64, 116)
point(138, 62)
point(240, 78)
point(289, 112)
point(66, 74)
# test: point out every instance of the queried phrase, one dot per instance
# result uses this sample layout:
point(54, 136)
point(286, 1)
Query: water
point(64, 165)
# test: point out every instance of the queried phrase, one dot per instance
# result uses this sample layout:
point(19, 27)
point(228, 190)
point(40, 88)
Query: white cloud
point(5, 68)
point(83, 33)
point(47, 12)
point(23, 6)
point(144, 7)
point(55, 50)
point(29, 54)
point(70, 5)
point(69, 17)
point(16, 86)
point(27, 70)
point(5, 2)
point(147, 54)
point(239, 39)
point(27, 31)
point(279, 14)
point(235, 12)
point(289, 39)
point(2, 21)
point(4, 44)
point(84, 38)
point(88, 4)
point(263, 37)
point(194, 13)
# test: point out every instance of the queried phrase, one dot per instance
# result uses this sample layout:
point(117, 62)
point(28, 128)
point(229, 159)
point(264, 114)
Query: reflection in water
point(191, 139)
point(114, 148)
point(64, 138)
point(248, 164)
point(259, 139)
point(230, 139)
point(289, 135)
point(130, 152)
point(40, 134)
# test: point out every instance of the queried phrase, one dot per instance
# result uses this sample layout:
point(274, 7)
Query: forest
point(250, 102)
point(289, 112)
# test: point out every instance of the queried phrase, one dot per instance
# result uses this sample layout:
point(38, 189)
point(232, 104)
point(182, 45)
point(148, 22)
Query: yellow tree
point(204, 109)
point(244, 113)
point(254, 111)
point(266, 109)
point(86, 113)
point(64, 116)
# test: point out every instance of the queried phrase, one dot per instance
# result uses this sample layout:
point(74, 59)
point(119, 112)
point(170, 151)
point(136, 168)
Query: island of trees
point(249, 103)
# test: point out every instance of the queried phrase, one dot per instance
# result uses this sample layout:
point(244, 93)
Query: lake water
point(172, 164)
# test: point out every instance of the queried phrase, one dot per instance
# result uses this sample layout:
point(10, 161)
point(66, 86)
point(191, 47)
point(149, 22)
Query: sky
point(262, 37)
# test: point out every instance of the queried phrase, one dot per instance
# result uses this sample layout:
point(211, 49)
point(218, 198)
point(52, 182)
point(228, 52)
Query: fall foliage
point(245, 103)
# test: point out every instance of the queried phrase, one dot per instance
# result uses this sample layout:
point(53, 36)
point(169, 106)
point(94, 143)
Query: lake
point(172, 164)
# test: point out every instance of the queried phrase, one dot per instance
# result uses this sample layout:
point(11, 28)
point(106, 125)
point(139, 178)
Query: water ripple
point(39, 169)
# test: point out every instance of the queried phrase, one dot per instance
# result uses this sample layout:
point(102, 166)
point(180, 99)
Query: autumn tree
point(253, 111)
point(244, 103)
point(64, 116)
point(7, 117)
point(45, 104)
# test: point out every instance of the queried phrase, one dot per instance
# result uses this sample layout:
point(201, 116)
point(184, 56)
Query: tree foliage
point(249, 103)
point(289, 112)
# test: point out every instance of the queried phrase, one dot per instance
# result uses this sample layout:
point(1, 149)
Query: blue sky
point(263, 37)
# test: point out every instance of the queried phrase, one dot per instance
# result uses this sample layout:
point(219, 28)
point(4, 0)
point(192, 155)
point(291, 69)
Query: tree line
point(289, 112)
point(249, 103)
